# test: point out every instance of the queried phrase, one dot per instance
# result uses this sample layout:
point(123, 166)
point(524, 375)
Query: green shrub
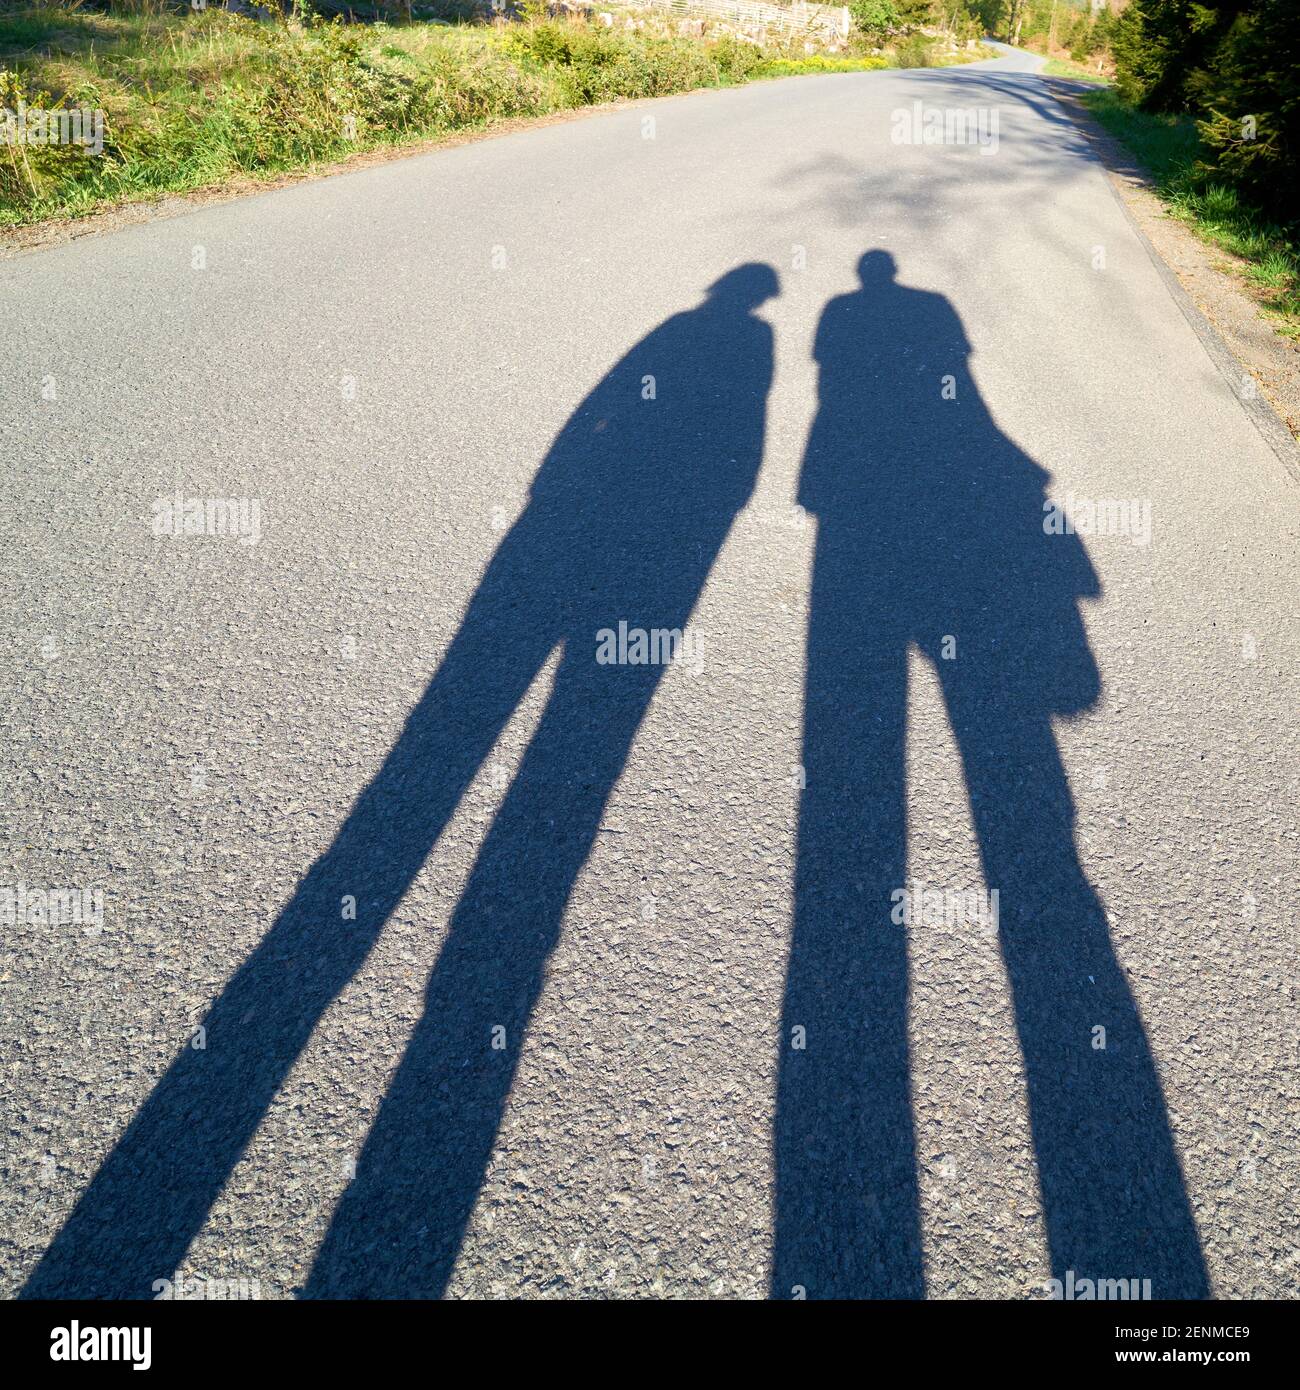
point(595, 64)
point(876, 18)
point(916, 51)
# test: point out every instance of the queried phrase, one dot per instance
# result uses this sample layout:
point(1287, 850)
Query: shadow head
point(876, 268)
point(745, 288)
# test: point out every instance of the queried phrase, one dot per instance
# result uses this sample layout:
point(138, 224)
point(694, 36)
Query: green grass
point(1170, 147)
point(192, 100)
point(1063, 67)
point(1167, 145)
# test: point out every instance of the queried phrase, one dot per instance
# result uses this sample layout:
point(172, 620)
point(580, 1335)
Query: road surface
point(445, 945)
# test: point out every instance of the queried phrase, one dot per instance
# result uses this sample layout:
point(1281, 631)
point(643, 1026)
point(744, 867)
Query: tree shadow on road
point(931, 527)
point(626, 516)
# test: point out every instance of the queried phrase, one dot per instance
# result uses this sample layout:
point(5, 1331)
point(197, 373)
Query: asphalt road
point(439, 954)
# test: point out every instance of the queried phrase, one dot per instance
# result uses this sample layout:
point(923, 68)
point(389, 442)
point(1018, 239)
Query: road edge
point(1259, 409)
point(28, 238)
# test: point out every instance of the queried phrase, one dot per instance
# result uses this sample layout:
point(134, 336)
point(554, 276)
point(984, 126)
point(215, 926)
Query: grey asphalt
point(673, 1043)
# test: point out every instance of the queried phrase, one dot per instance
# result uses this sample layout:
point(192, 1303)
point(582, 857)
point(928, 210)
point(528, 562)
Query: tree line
point(1235, 67)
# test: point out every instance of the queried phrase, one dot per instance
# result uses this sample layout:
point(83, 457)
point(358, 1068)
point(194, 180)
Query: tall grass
point(194, 98)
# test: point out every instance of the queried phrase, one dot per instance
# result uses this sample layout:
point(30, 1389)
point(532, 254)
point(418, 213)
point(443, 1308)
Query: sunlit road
point(449, 941)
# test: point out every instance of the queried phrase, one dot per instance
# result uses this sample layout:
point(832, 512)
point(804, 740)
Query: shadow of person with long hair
point(931, 535)
point(625, 518)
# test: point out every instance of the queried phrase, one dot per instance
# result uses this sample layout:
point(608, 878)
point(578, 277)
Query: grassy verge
point(1063, 67)
point(193, 99)
point(1171, 149)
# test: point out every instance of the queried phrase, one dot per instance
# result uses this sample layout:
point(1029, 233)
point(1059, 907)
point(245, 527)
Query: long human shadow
point(931, 526)
point(625, 518)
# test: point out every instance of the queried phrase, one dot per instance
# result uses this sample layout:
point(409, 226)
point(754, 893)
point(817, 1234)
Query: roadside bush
point(875, 18)
point(29, 170)
point(916, 51)
point(595, 65)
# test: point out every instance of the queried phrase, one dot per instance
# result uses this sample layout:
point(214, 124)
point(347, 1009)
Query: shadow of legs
point(1113, 1193)
point(398, 1227)
point(847, 1223)
point(142, 1209)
